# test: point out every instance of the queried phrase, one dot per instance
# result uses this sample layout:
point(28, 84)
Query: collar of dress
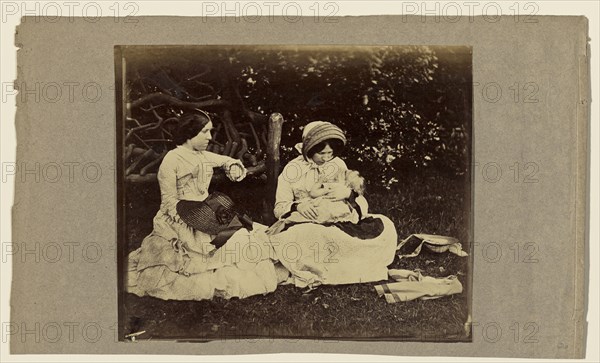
point(188, 151)
point(307, 165)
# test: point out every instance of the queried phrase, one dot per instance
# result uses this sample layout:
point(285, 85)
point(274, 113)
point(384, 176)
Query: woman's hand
point(307, 210)
point(338, 192)
point(236, 171)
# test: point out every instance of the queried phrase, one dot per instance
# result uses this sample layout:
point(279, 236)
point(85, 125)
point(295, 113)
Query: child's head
point(355, 181)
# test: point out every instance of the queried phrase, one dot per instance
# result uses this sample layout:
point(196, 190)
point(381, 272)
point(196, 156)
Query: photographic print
point(401, 185)
point(317, 192)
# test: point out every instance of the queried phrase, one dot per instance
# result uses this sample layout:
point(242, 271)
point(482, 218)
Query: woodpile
point(159, 103)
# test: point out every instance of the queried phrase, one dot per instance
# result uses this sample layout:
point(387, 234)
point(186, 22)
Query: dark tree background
point(406, 109)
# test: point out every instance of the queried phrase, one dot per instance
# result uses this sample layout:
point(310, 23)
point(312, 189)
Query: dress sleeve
point(284, 196)
point(219, 161)
point(167, 180)
point(225, 162)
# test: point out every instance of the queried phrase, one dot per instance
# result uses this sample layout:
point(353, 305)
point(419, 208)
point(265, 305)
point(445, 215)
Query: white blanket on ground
point(317, 254)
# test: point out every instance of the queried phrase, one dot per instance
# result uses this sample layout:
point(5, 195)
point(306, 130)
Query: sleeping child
point(328, 211)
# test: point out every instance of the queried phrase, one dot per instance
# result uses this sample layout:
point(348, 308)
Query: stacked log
point(156, 102)
point(141, 160)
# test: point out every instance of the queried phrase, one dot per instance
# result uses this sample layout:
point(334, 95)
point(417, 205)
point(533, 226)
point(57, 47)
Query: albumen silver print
point(319, 192)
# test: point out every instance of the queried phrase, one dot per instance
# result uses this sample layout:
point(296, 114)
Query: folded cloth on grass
point(412, 285)
point(411, 246)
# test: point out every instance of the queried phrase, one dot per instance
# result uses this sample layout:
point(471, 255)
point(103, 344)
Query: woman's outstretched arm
point(226, 162)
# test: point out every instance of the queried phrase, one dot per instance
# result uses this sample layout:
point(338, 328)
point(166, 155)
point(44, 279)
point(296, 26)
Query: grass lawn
point(421, 205)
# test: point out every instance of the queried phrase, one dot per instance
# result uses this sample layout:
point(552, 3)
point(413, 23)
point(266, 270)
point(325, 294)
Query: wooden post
point(273, 143)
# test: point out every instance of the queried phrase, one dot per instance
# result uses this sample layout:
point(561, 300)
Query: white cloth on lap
point(317, 254)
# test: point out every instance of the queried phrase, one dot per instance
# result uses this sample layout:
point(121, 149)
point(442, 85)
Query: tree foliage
point(405, 109)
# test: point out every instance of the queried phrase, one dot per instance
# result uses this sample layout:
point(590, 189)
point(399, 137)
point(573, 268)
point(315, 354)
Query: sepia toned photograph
point(305, 192)
point(343, 179)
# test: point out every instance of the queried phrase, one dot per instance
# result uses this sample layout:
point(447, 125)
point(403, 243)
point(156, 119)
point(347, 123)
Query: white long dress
point(177, 262)
point(316, 254)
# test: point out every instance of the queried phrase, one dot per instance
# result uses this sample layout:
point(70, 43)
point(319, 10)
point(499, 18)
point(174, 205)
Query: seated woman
point(340, 253)
point(179, 262)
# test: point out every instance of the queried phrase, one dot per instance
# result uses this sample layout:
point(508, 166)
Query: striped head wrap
point(317, 132)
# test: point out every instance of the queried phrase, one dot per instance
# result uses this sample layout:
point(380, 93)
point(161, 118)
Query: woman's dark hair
point(189, 126)
point(336, 145)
